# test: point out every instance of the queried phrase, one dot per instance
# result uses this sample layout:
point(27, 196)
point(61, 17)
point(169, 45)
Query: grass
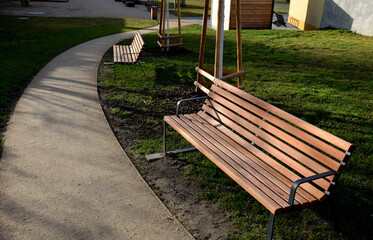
point(27, 45)
point(194, 8)
point(281, 10)
point(324, 77)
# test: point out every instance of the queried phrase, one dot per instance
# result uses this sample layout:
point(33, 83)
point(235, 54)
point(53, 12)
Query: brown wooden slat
point(129, 55)
point(173, 45)
point(262, 175)
point(140, 37)
point(281, 173)
point(115, 53)
point(231, 119)
point(119, 54)
point(297, 121)
point(233, 160)
point(285, 126)
point(139, 45)
point(136, 45)
point(137, 53)
point(210, 152)
point(211, 70)
point(265, 158)
point(172, 36)
point(269, 138)
point(124, 54)
point(134, 53)
point(271, 150)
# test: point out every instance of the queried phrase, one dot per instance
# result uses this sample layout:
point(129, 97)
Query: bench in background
point(129, 54)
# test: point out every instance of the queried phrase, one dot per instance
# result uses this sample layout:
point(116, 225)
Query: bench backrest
point(287, 141)
point(137, 45)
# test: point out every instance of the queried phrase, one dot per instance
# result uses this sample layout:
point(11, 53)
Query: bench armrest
point(186, 100)
point(305, 180)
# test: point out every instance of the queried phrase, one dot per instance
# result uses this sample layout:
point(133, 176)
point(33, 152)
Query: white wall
point(354, 15)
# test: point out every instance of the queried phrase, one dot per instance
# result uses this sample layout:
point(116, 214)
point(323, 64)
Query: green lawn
point(194, 8)
point(324, 77)
point(27, 45)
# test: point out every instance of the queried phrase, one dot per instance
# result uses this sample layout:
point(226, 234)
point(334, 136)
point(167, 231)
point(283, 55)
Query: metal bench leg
point(271, 226)
point(142, 69)
point(155, 156)
point(115, 77)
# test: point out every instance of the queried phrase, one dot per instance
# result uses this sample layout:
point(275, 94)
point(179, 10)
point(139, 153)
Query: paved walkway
point(63, 174)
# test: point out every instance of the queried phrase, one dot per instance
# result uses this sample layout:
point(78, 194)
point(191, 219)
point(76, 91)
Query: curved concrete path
point(63, 173)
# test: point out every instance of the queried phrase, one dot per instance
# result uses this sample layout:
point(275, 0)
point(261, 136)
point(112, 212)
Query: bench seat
point(241, 161)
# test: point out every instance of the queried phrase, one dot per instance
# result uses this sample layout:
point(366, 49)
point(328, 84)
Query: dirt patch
point(180, 193)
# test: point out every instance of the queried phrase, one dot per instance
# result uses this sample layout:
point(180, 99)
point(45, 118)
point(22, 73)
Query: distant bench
point(129, 54)
point(282, 161)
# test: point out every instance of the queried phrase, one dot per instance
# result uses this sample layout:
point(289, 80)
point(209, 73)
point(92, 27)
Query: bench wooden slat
point(118, 53)
point(139, 42)
point(135, 53)
point(138, 36)
point(287, 173)
point(300, 169)
point(272, 139)
point(115, 53)
point(278, 187)
point(237, 163)
point(135, 47)
point(243, 146)
point(128, 55)
point(285, 126)
point(233, 120)
point(296, 121)
point(210, 152)
point(125, 57)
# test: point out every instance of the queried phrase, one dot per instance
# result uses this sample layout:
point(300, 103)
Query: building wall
point(255, 14)
point(306, 14)
point(355, 15)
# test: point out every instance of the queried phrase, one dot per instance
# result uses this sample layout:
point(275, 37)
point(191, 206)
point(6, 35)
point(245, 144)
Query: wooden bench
point(282, 161)
point(129, 54)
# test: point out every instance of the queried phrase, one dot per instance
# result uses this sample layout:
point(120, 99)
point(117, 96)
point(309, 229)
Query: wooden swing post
point(164, 39)
point(218, 71)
